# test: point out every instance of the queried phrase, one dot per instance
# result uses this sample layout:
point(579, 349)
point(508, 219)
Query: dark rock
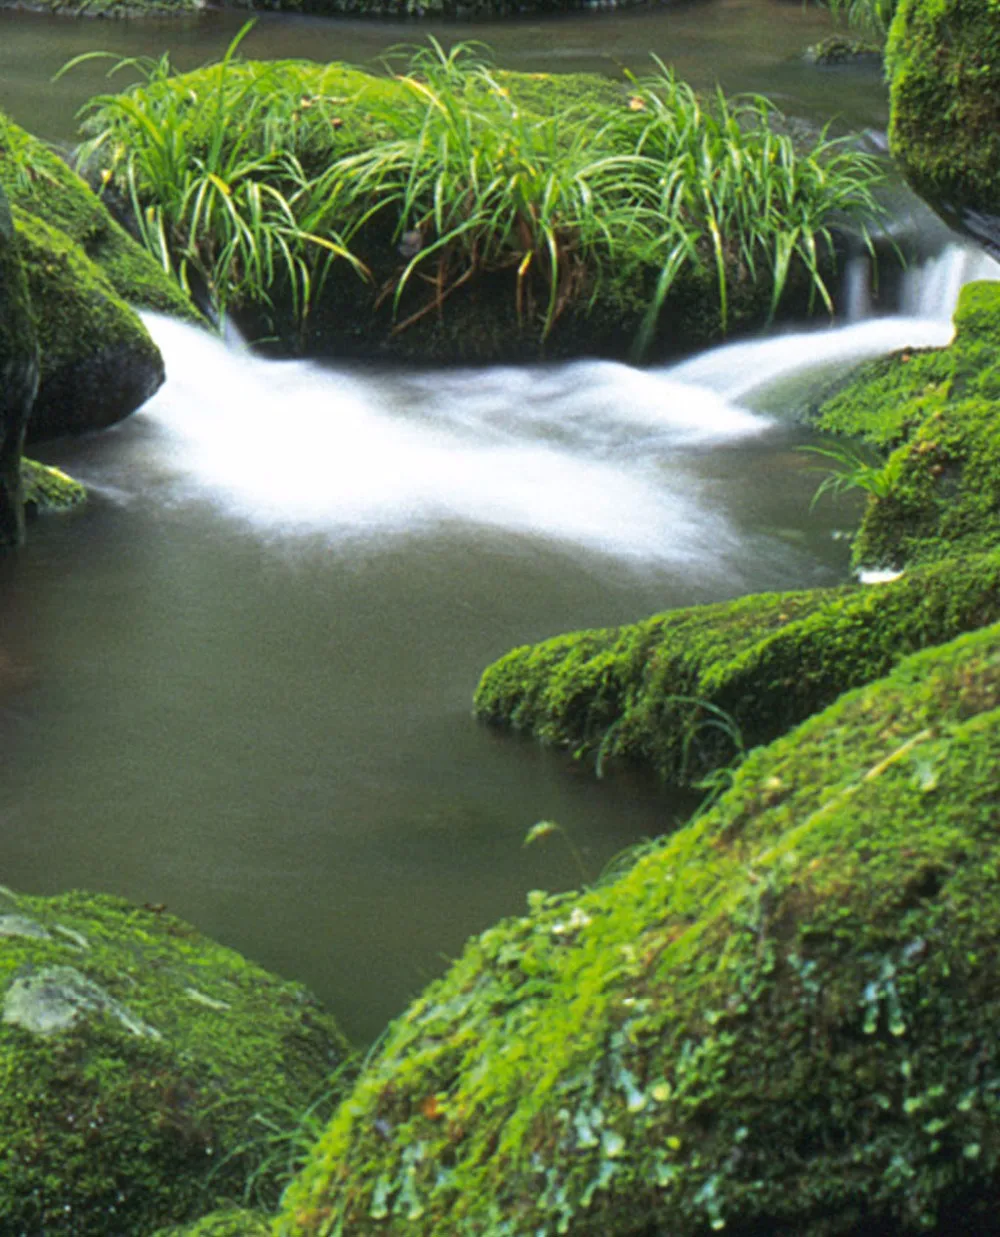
point(18, 376)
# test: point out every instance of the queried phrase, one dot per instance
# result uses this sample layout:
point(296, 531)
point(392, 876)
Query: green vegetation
point(871, 17)
point(98, 362)
point(778, 1021)
point(230, 1222)
point(935, 416)
point(681, 217)
point(653, 693)
point(49, 489)
point(40, 183)
point(135, 1054)
point(943, 62)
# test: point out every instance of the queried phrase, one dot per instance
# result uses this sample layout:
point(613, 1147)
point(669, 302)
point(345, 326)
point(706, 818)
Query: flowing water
point(238, 682)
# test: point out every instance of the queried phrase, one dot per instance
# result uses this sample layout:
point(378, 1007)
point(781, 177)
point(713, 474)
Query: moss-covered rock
point(840, 49)
point(98, 362)
point(137, 1059)
point(18, 376)
point(943, 61)
point(49, 489)
point(781, 1020)
point(40, 183)
point(230, 1222)
point(936, 414)
point(683, 691)
point(449, 279)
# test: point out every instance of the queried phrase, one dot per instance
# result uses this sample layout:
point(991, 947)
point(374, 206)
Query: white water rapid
point(590, 454)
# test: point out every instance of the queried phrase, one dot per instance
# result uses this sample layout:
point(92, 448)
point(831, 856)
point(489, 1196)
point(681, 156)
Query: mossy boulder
point(18, 376)
point(98, 361)
point(230, 1222)
point(936, 417)
point(683, 692)
point(40, 183)
point(137, 1060)
point(781, 1020)
point(47, 488)
point(943, 62)
point(437, 281)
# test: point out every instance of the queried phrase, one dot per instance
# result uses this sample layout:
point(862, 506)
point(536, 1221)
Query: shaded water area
point(743, 45)
point(239, 681)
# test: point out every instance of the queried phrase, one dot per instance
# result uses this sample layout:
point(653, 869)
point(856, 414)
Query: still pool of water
point(743, 45)
point(239, 681)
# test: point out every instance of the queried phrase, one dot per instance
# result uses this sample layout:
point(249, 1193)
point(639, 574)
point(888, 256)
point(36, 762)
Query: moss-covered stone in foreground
point(665, 692)
point(937, 416)
point(137, 1060)
point(780, 1021)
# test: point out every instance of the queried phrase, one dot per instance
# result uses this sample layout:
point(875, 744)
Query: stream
point(239, 681)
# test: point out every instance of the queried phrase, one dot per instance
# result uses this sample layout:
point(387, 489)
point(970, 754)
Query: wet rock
point(140, 1060)
point(18, 376)
point(98, 361)
point(943, 62)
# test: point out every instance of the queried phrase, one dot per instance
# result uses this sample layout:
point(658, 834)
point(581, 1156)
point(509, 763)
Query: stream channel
point(239, 681)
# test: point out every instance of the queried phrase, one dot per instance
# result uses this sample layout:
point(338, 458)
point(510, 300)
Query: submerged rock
point(140, 1061)
point(780, 1020)
point(18, 376)
point(943, 62)
point(685, 692)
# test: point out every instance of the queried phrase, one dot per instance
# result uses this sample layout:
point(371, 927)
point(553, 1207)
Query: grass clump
point(643, 196)
point(776, 1021)
point(869, 17)
point(653, 693)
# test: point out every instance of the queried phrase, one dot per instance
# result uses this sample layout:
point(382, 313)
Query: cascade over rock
point(18, 376)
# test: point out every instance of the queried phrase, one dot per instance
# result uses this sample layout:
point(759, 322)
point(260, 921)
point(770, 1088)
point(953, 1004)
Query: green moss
point(49, 489)
point(937, 414)
point(40, 183)
point(137, 1059)
point(665, 692)
point(489, 293)
point(943, 61)
point(98, 362)
point(781, 1020)
point(230, 1222)
point(884, 399)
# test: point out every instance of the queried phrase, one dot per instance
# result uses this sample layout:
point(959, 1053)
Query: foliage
point(229, 221)
point(871, 17)
point(777, 1021)
point(852, 470)
point(225, 171)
